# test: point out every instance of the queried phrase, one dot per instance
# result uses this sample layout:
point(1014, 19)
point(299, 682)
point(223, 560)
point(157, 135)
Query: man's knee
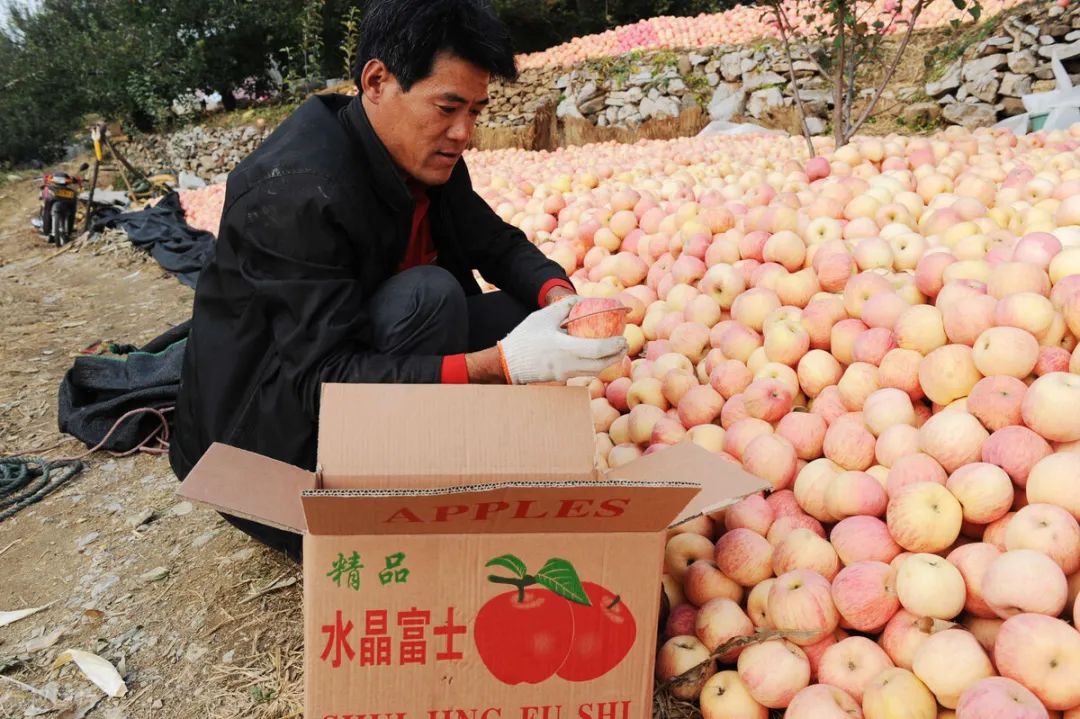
point(421, 310)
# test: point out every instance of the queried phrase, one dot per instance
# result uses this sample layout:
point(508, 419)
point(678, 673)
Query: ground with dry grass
point(200, 621)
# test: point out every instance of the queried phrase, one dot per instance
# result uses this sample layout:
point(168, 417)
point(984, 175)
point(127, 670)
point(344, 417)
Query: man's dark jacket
point(314, 221)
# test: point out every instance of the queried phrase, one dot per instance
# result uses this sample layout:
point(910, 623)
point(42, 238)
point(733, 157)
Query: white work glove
point(539, 350)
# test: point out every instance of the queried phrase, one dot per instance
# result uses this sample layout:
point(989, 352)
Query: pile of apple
point(203, 207)
point(738, 26)
point(888, 335)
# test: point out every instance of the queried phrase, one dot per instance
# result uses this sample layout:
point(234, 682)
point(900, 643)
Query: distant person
point(347, 248)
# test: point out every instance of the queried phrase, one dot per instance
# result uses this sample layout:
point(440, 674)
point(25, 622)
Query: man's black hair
point(406, 35)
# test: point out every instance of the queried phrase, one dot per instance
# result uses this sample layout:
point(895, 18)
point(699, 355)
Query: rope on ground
point(26, 480)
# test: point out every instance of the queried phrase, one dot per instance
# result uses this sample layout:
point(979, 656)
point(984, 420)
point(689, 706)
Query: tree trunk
point(839, 94)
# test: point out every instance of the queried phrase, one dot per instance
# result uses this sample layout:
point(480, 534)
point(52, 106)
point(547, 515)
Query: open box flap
point(722, 483)
point(383, 436)
point(249, 486)
point(520, 508)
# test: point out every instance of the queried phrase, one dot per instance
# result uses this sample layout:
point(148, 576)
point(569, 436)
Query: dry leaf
point(25, 687)
point(44, 642)
point(98, 670)
point(7, 618)
point(96, 614)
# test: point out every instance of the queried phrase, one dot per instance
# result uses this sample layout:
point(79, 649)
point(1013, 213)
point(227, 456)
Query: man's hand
point(539, 350)
point(557, 293)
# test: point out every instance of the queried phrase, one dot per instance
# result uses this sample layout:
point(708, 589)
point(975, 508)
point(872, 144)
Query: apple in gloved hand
point(596, 318)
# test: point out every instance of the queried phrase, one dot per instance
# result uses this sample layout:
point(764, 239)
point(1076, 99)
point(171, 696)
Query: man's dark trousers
point(422, 311)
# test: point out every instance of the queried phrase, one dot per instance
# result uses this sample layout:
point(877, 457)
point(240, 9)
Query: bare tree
point(845, 38)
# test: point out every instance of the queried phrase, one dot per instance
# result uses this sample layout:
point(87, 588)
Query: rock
point(731, 66)
point(676, 86)
point(85, 540)
point(1057, 29)
point(666, 107)
point(203, 539)
point(1056, 11)
point(712, 66)
point(696, 59)
point(194, 653)
point(593, 106)
point(764, 100)
point(962, 94)
point(728, 101)
point(140, 518)
point(180, 509)
point(615, 99)
point(1044, 72)
point(1046, 40)
point(755, 80)
point(1063, 51)
point(188, 181)
point(587, 92)
point(640, 78)
point(1012, 106)
point(921, 113)
point(684, 66)
point(804, 68)
point(103, 585)
point(992, 45)
point(712, 78)
point(985, 89)
point(948, 82)
point(154, 575)
point(562, 82)
point(976, 69)
point(1043, 85)
point(626, 114)
point(1013, 85)
point(1022, 62)
point(647, 108)
point(970, 115)
point(816, 125)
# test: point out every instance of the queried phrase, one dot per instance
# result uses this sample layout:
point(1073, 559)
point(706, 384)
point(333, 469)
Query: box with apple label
point(463, 559)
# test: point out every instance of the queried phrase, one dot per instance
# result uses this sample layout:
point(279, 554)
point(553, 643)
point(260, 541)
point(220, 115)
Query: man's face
point(427, 128)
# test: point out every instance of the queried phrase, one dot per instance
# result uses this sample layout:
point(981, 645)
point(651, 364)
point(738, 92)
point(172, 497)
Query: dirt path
point(160, 589)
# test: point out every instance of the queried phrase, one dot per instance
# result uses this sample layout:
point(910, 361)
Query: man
point(347, 246)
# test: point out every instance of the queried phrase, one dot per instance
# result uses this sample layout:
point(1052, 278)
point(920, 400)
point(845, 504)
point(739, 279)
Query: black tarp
point(161, 230)
point(98, 390)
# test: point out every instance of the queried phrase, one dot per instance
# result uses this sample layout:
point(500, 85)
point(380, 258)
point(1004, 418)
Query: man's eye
point(446, 110)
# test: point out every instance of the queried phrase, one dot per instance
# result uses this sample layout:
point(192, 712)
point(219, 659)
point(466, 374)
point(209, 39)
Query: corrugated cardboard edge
point(722, 483)
point(250, 486)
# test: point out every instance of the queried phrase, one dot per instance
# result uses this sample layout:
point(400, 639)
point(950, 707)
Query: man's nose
point(461, 128)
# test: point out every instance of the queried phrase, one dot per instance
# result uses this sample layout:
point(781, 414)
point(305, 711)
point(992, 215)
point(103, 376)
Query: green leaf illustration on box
point(509, 561)
point(559, 576)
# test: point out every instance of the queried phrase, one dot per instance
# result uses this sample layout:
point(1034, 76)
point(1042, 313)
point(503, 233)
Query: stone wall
point(987, 83)
point(981, 88)
point(207, 152)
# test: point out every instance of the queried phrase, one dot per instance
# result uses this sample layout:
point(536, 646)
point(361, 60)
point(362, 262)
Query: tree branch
point(916, 11)
point(794, 87)
point(838, 86)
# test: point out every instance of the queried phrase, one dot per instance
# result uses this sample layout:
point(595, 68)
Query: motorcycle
point(59, 205)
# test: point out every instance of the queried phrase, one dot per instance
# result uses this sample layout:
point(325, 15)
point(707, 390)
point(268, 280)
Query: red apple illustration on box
point(550, 624)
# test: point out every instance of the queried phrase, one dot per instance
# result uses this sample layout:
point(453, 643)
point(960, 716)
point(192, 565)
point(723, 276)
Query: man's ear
point(375, 80)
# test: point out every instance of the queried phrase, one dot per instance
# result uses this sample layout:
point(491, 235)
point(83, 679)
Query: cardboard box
point(462, 557)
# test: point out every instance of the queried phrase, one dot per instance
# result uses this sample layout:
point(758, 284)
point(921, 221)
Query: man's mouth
point(448, 157)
